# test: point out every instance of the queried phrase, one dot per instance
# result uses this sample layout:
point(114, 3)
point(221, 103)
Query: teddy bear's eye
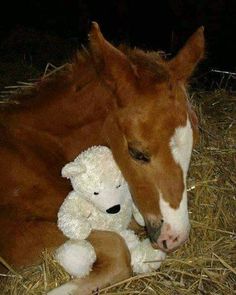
point(96, 193)
point(118, 186)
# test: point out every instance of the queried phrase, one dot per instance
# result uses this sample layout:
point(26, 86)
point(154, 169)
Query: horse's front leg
point(112, 265)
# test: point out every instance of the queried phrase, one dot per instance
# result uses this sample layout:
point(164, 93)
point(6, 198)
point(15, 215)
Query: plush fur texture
point(78, 216)
point(145, 258)
point(97, 168)
point(77, 257)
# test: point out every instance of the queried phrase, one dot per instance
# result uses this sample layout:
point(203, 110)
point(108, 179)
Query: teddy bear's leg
point(144, 258)
point(76, 257)
point(112, 265)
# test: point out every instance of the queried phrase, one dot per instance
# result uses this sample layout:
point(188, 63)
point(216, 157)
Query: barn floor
point(207, 263)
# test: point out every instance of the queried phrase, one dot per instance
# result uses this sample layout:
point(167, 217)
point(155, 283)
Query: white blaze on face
point(181, 148)
point(181, 144)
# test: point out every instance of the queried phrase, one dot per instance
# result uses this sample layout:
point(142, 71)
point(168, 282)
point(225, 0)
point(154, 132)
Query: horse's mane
point(151, 64)
point(79, 72)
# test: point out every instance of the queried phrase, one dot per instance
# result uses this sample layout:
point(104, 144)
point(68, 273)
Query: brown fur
point(106, 97)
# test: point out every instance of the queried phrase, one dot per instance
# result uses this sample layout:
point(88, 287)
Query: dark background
point(33, 33)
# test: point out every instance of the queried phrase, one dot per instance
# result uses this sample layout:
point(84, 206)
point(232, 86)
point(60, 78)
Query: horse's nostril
point(154, 230)
point(113, 210)
point(164, 244)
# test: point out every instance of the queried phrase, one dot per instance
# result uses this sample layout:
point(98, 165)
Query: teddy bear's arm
point(72, 219)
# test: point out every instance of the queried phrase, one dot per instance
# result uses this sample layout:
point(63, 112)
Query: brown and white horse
point(132, 101)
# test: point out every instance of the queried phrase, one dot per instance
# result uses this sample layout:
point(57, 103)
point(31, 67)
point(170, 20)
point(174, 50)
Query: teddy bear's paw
point(144, 258)
point(76, 257)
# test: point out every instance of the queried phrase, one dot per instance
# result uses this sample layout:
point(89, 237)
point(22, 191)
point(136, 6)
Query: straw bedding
point(207, 263)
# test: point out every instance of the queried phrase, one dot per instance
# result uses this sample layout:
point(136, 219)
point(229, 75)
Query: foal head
point(151, 130)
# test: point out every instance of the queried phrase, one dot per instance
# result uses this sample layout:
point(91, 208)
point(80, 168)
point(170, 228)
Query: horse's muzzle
point(163, 237)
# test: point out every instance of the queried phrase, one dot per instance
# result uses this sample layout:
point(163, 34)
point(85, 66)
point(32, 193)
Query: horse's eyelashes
point(138, 155)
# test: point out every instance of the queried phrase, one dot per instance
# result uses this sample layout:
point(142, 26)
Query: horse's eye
point(96, 193)
point(139, 156)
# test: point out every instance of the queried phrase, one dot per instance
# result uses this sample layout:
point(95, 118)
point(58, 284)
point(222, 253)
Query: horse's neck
point(83, 137)
point(73, 119)
point(84, 123)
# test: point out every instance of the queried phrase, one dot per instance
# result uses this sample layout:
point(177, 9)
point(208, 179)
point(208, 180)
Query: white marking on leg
point(66, 289)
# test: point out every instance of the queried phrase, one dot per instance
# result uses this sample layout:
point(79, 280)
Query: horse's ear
point(184, 63)
point(112, 64)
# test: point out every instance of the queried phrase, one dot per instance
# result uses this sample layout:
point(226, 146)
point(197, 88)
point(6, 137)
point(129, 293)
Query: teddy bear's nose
point(113, 210)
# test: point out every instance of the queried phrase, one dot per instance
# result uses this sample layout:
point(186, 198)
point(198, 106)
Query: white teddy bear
point(100, 201)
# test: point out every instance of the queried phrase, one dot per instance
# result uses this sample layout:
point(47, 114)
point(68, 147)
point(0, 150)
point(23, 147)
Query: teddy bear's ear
point(72, 169)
